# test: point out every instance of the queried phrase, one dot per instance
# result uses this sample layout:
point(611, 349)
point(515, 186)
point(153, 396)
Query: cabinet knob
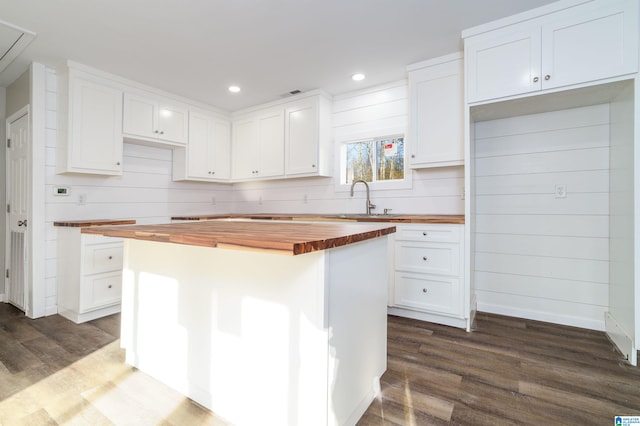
point(161, 132)
point(110, 286)
point(413, 156)
point(547, 77)
point(110, 257)
point(118, 163)
point(155, 131)
point(213, 173)
point(425, 258)
point(313, 165)
point(536, 79)
point(424, 290)
point(425, 234)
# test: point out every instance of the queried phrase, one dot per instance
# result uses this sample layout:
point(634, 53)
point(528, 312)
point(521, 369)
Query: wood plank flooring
point(508, 371)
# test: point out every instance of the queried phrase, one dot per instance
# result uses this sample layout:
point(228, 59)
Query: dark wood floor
point(508, 371)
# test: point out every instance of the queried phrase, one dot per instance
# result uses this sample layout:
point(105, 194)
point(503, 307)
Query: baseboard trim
point(542, 316)
point(620, 338)
point(50, 310)
point(423, 316)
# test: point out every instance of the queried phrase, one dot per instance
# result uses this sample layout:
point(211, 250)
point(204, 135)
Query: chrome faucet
point(369, 205)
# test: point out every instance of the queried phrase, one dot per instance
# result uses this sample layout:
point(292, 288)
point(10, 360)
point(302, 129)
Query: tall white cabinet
point(436, 112)
point(89, 124)
point(565, 55)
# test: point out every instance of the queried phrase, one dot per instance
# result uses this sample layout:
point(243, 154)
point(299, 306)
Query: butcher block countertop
point(390, 218)
point(94, 222)
point(277, 237)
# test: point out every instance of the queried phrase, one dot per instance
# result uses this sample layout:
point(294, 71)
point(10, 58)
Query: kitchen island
point(261, 322)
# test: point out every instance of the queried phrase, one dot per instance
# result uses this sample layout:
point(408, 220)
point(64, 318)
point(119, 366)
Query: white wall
point(538, 256)
point(145, 192)
point(435, 191)
point(622, 268)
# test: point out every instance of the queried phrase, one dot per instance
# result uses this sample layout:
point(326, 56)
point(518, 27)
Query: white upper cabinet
point(155, 120)
point(258, 145)
point(307, 137)
point(89, 124)
point(503, 63)
point(436, 113)
point(575, 45)
point(207, 156)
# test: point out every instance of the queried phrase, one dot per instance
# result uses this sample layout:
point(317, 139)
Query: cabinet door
point(220, 149)
point(139, 116)
point(271, 144)
point(597, 44)
point(198, 163)
point(96, 128)
point(208, 151)
point(245, 143)
point(437, 115)
point(503, 63)
point(301, 138)
point(172, 123)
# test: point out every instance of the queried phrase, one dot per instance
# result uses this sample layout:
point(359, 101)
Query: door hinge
point(8, 143)
point(7, 274)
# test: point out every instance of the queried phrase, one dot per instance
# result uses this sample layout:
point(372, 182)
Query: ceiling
point(197, 48)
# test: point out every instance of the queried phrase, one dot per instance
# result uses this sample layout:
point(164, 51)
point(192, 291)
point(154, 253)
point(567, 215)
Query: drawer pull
point(424, 290)
point(425, 258)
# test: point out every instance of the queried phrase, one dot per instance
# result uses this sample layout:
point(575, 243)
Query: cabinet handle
point(425, 258)
point(536, 79)
point(547, 77)
point(424, 290)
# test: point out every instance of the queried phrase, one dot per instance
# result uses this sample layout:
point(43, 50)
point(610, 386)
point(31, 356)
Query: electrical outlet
point(561, 190)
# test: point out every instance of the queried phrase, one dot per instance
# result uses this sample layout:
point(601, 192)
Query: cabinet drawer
point(427, 292)
point(101, 290)
point(434, 258)
point(436, 233)
point(101, 258)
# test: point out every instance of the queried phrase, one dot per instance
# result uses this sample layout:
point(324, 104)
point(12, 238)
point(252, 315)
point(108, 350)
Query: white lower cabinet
point(428, 279)
point(89, 275)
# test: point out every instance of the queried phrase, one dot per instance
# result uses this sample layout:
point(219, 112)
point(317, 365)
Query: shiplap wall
point(145, 192)
point(434, 191)
point(538, 256)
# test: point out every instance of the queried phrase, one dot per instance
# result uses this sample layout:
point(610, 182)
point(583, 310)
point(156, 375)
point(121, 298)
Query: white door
point(18, 174)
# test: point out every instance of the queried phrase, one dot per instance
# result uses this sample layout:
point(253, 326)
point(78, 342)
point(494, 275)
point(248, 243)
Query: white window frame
point(381, 185)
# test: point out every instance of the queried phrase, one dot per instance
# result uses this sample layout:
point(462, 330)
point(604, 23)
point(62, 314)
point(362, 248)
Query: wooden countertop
point(391, 218)
point(94, 222)
point(281, 237)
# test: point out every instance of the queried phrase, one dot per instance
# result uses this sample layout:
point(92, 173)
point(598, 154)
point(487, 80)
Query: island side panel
point(241, 333)
point(358, 279)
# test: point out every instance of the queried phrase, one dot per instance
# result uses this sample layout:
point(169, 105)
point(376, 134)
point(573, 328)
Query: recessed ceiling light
point(357, 77)
point(234, 89)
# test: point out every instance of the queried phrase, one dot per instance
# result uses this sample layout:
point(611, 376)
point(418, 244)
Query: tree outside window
point(378, 159)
